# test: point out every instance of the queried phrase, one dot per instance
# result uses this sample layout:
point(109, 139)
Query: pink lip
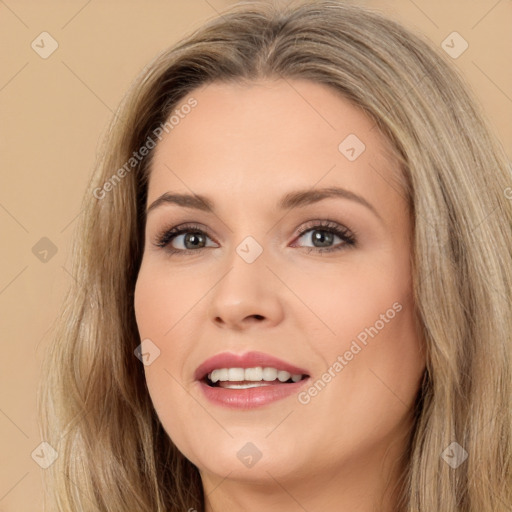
point(247, 360)
point(250, 397)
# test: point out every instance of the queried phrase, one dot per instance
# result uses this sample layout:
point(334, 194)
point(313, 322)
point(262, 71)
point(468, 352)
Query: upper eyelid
point(192, 225)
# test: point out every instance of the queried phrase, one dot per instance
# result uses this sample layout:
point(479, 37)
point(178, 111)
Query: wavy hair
point(93, 403)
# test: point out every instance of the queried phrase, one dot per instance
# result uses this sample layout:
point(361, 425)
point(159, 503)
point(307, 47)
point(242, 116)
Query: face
point(323, 284)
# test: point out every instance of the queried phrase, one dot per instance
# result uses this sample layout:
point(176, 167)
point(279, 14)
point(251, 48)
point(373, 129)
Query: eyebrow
point(291, 200)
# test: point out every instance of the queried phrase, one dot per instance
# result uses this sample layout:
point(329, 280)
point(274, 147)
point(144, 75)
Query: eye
point(323, 233)
point(194, 237)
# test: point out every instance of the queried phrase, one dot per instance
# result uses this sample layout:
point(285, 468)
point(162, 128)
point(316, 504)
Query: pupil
point(320, 236)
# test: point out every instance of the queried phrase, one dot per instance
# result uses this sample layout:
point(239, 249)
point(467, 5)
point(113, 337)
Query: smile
point(248, 380)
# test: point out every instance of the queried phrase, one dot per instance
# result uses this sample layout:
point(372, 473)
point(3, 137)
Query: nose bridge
point(249, 236)
point(247, 287)
point(247, 267)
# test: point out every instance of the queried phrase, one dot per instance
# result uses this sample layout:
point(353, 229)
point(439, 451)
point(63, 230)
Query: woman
point(300, 227)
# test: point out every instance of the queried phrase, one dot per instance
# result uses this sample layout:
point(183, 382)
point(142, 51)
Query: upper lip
point(245, 360)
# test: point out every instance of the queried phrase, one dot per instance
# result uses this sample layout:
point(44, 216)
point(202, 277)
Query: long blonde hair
point(94, 407)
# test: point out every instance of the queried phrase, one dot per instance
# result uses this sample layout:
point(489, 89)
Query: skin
point(245, 146)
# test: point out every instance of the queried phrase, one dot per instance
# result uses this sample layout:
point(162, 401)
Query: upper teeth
point(253, 374)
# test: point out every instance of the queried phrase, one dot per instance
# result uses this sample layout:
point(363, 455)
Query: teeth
point(283, 376)
point(270, 374)
point(217, 375)
point(255, 374)
point(235, 374)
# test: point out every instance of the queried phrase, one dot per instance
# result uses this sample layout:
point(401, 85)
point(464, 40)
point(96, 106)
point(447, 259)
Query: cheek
point(159, 305)
point(373, 368)
point(365, 314)
point(161, 302)
point(161, 299)
point(345, 300)
point(157, 310)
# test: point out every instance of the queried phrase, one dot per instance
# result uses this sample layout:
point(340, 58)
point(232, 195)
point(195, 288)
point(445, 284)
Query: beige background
point(54, 112)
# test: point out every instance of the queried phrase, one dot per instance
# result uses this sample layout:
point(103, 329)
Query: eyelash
point(349, 238)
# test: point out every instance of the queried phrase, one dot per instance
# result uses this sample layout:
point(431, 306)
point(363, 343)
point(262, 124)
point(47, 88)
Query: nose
point(247, 294)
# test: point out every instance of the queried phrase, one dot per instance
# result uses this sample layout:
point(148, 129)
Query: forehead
point(250, 142)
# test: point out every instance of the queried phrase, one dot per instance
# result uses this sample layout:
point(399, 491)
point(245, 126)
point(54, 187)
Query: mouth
point(248, 380)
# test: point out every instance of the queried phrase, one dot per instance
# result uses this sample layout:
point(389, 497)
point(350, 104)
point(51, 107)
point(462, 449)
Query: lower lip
point(250, 397)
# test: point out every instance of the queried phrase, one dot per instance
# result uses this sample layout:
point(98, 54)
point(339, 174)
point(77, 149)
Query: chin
point(246, 460)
